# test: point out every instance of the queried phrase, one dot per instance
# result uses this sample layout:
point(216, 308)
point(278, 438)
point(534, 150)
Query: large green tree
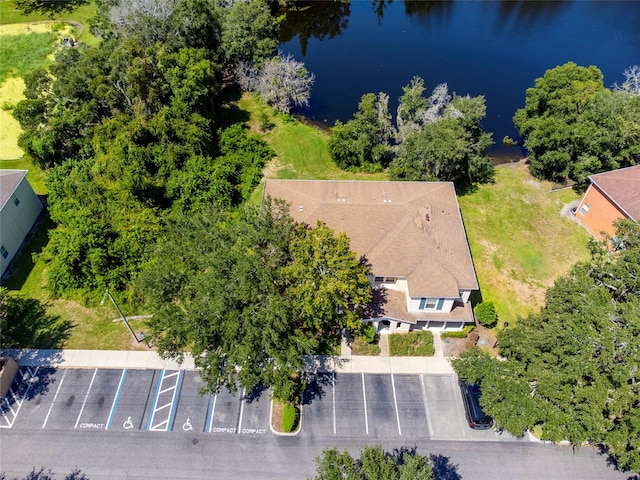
point(374, 464)
point(438, 137)
point(452, 148)
point(364, 142)
point(573, 368)
point(249, 294)
point(573, 126)
point(128, 130)
point(249, 32)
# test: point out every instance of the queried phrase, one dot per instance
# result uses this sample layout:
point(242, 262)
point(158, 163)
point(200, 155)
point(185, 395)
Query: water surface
point(494, 48)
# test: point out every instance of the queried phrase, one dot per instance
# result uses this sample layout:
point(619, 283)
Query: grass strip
point(412, 344)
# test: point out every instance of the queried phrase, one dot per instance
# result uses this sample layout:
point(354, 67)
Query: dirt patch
point(276, 416)
point(482, 337)
point(40, 27)
point(11, 92)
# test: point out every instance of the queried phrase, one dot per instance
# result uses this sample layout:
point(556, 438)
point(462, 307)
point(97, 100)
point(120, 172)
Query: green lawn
point(81, 13)
point(413, 344)
point(24, 53)
point(519, 241)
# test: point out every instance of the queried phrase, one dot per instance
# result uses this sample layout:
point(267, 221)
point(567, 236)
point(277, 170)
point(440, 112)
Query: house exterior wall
point(597, 212)
point(16, 220)
point(414, 305)
point(465, 295)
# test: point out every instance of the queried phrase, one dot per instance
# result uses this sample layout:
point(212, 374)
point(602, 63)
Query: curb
point(284, 434)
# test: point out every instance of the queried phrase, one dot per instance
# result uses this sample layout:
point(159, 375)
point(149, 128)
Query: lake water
point(494, 48)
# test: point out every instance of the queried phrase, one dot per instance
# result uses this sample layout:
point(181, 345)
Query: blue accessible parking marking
point(164, 403)
point(10, 406)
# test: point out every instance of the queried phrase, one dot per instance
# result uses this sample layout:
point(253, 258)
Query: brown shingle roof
point(622, 187)
point(9, 181)
point(404, 229)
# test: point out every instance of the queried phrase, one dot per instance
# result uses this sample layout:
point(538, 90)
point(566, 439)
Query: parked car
point(476, 417)
point(8, 371)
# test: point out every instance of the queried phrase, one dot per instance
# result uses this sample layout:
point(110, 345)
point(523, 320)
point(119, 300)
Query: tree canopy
point(435, 138)
point(573, 368)
point(128, 131)
point(249, 294)
point(573, 126)
point(374, 464)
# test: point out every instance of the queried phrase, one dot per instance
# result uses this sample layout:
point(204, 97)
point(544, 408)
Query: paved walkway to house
point(437, 364)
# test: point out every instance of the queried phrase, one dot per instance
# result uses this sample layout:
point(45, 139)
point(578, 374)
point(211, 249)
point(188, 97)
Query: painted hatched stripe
point(168, 384)
point(17, 400)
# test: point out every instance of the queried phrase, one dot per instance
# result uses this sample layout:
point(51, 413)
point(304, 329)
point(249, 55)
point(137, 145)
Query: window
point(16, 200)
point(584, 209)
point(4, 252)
point(385, 279)
point(431, 303)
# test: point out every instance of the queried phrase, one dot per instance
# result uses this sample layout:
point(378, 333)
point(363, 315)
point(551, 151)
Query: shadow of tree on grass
point(48, 7)
point(25, 323)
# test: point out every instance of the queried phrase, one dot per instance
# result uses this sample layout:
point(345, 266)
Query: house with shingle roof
point(19, 210)
point(611, 196)
point(412, 235)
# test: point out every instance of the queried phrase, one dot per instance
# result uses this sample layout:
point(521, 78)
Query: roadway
point(150, 423)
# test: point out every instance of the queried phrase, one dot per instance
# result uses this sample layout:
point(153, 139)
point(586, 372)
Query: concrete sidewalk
point(151, 360)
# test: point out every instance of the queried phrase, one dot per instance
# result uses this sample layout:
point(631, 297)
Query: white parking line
point(8, 403)
point(115, 399)
point(333, 385)
point(395, 403)
point(15, 399)
point(213, 410)
point(85, 397)
point(364, 398)
point(54, 398)
point(244, 391)
point(426, 405)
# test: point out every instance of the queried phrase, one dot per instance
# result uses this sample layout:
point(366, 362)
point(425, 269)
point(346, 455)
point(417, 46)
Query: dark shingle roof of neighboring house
point(9, 181)
point(404, 229)
point(622, 187)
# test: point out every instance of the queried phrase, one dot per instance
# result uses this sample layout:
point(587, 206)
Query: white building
point(412, 235)
point(19, 209)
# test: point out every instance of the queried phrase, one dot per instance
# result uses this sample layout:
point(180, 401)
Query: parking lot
point(375, 405)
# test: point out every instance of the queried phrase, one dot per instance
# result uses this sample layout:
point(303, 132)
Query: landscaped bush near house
point(368, 333)
point(412, 344)
point(458, 334)
point(289, 418)
point(486, 314)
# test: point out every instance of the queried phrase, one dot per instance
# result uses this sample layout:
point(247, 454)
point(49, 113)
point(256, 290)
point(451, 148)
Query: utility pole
point(124, 319)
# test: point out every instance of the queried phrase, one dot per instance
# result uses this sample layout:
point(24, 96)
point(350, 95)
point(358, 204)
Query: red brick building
point(611, 195)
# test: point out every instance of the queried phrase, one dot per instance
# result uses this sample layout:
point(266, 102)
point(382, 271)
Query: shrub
point(289, 418)
point(486, 314)
point(460, 334)
point(368, 333)
point(266, 124)
point(413, 344)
